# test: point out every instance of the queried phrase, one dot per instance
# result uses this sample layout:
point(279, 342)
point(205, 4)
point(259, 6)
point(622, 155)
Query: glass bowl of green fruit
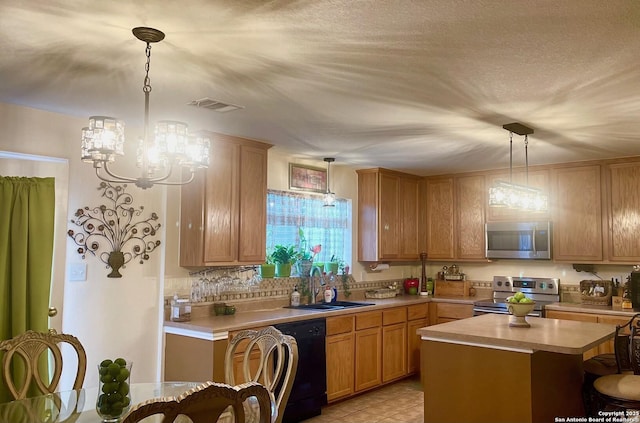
point(114, 397)
point(519, 306)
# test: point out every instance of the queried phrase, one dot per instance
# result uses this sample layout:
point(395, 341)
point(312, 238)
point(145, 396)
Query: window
point(328, 226)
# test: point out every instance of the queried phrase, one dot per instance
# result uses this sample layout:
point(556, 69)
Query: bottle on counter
point(180, 309)
point(295, 297)
point(328, 294)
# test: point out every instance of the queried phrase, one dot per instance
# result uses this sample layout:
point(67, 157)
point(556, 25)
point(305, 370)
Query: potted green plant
point(268, 268)
point(283, 257)
point(332, 265)
point(305, 254)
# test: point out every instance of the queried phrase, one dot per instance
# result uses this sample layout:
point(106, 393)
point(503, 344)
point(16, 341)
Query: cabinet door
point(409, 218)
point(607, 347)
point(192, 222)
point(389, 225)
point(624, 212)
point(252, 205)
point(413, 344)
point(471, 198)
point(440, 219)
point(367, 216)
point(368, 359)
point(577, 214)
point(340, 366)
point(537, 179)
point(394, 351)
point(221, 204)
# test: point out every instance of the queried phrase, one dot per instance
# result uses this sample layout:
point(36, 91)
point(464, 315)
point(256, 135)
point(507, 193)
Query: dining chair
point(622, 390)
point(27, 349)
point(266, 356)
point(205, 404)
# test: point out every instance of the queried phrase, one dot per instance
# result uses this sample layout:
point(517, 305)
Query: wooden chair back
point(205, 404)
point(269, 358)
point(29, 347)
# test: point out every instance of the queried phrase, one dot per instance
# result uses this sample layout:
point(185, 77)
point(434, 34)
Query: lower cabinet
point(440, 312)
point(368, 350)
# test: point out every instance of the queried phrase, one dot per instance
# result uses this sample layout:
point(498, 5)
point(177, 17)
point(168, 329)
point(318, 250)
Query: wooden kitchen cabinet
point(539, 178)
point(368, 350)
point(394, 343)
point(417, 317)
point(442, 312)
point(340, 351)
point(387, 215)
point(455, 217)
point(623, 205)
point(223, 211)
point(577, 214)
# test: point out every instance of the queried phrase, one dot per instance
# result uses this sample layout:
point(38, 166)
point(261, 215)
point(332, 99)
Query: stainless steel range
point(542, 290)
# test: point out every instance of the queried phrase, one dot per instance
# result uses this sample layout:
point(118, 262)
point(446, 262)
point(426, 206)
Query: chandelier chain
point(147, 81)
point(526, 158)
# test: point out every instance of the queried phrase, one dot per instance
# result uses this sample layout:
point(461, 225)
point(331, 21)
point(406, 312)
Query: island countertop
point(493, 331)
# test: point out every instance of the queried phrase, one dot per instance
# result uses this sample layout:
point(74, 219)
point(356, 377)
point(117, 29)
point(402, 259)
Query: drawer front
point(417, 311)
point(339, 324)
point(371, 319)
point(394, 315)
point(454, 311)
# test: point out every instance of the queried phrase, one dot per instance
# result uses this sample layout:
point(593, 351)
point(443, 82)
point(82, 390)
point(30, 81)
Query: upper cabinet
point(387, 215)
point(223, 211)
point(623, 206)
point(537, 179)
point(577, 214)
point(454, 217)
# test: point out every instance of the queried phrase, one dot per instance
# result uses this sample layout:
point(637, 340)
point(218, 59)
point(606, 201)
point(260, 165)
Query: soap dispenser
point(295, 297)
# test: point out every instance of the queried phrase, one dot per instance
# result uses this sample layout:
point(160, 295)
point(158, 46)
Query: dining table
point(79, 406)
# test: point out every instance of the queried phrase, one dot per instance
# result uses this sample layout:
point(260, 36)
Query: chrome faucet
point(315, 291)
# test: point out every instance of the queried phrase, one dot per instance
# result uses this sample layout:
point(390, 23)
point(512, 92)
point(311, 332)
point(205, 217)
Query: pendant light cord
point(526, 158)
point(511, 157)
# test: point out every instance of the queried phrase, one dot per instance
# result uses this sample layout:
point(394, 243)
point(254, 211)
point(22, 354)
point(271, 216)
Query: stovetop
point(543, 291)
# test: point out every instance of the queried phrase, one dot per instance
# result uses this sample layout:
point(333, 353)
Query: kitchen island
point(481, 370)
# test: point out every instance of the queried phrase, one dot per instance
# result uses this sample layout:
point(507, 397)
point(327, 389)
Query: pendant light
point(329, 199)
point(514, 196)
point(170, 145)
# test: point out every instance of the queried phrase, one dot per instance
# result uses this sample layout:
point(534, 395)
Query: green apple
point(519, 295)
point(526, 300)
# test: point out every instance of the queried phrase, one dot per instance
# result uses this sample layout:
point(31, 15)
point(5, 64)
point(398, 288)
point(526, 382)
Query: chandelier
point(329, 198)
point(170, 144)
point(514, 196)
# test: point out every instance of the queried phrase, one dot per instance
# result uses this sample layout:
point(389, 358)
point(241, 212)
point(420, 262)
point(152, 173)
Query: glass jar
point(114, 396)
point(180, 310)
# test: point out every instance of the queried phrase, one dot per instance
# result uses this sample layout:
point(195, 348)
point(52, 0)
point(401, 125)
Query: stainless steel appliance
point(518, 240)
point(542, 290)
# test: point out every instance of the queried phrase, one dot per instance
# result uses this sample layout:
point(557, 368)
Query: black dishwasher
point(309, 391)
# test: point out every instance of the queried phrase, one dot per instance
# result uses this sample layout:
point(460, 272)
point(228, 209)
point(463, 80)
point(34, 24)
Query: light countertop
point(493, 331)
point(592, 309)
point(217, 327)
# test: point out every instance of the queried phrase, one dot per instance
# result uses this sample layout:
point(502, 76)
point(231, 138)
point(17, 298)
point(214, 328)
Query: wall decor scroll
point(112, 233)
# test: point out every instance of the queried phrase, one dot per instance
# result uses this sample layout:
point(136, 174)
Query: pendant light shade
point(514, 196)
point(329, 199)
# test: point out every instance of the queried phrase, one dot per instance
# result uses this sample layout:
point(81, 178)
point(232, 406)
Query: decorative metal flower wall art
point(110, 232)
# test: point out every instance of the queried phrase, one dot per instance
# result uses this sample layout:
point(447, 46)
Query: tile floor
point(400, 402)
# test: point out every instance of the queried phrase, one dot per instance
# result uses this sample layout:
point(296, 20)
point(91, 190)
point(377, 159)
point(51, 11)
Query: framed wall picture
point(307, 178)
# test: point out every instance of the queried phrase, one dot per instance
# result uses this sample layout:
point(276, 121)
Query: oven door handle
point(490, 310)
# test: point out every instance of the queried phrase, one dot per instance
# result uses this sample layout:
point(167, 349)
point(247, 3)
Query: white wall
point(111, 317)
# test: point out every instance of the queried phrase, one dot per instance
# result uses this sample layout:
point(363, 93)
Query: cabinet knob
point(53, 311)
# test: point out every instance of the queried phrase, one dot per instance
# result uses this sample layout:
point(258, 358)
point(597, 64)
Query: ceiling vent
point(216, 106)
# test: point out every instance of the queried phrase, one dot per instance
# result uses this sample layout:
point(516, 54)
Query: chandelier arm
point(181, 182)
point(118, 178)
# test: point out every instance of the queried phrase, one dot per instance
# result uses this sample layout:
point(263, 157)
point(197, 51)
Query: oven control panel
point(525, 284)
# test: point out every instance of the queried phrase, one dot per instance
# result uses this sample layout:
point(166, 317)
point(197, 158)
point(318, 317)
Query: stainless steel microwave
point(518, 240)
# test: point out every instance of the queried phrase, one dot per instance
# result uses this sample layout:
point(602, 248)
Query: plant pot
point(319, 265)
point(304, 267)
point(331, 267)
point(283, 270)
point(267, 271)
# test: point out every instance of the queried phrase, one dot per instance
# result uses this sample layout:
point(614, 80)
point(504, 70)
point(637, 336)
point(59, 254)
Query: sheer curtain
point(328, 226)
point(27, 210)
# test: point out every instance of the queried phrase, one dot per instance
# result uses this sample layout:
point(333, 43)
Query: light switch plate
point(78, 272)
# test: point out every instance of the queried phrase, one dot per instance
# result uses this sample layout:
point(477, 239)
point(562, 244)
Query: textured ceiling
point(420, 86)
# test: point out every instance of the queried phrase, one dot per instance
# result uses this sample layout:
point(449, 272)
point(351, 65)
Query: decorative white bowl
point(518, 312)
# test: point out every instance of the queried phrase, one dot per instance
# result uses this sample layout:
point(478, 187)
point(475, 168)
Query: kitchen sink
point(336, 305)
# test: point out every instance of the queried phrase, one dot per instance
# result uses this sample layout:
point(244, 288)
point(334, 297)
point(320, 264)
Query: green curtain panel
point(27, 210)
